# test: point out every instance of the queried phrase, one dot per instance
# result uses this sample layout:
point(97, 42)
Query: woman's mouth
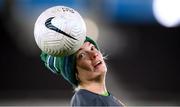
point(97, 64)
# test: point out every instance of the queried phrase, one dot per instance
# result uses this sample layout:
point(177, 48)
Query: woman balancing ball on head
point(85, 69)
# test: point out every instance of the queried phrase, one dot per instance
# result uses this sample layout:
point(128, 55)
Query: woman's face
point(89, 62)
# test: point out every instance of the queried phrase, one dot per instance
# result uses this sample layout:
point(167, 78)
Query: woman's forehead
point(85, 45)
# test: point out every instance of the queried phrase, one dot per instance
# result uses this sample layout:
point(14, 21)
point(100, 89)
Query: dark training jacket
point(86, 98)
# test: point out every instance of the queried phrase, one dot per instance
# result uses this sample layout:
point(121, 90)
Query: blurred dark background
point(143, 52)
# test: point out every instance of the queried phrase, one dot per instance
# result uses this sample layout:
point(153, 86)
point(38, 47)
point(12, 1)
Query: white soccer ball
point(60, 31)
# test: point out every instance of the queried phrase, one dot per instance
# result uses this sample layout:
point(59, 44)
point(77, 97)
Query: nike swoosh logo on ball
point(49, 25)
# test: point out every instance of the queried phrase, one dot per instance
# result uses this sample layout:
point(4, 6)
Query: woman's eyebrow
point(79, 51)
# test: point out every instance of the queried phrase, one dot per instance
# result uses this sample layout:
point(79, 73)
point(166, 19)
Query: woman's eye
point(82, 55)
point(92, 48)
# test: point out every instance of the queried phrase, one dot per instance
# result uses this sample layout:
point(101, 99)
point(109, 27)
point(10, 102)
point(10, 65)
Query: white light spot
point(167, 12)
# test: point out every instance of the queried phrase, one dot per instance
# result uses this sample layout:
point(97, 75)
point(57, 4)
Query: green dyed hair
point(64, 66)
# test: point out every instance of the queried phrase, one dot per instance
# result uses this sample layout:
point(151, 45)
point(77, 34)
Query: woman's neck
point(98, 88)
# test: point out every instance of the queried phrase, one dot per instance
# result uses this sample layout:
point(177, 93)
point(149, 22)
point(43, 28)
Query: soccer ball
point(60, 31)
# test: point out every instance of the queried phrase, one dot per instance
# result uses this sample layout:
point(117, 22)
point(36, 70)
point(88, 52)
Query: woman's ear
point(77, 78)
point(76, 74)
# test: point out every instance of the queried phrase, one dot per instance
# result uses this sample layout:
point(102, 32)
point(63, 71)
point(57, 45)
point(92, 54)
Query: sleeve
point(78, 100)
point(85, 99)
point(51, 62)
point(75, 101)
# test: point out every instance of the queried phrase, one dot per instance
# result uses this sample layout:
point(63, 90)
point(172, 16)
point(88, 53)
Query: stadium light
point(167, 12)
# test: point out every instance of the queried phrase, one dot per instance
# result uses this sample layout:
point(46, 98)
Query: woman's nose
point(93, 55)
